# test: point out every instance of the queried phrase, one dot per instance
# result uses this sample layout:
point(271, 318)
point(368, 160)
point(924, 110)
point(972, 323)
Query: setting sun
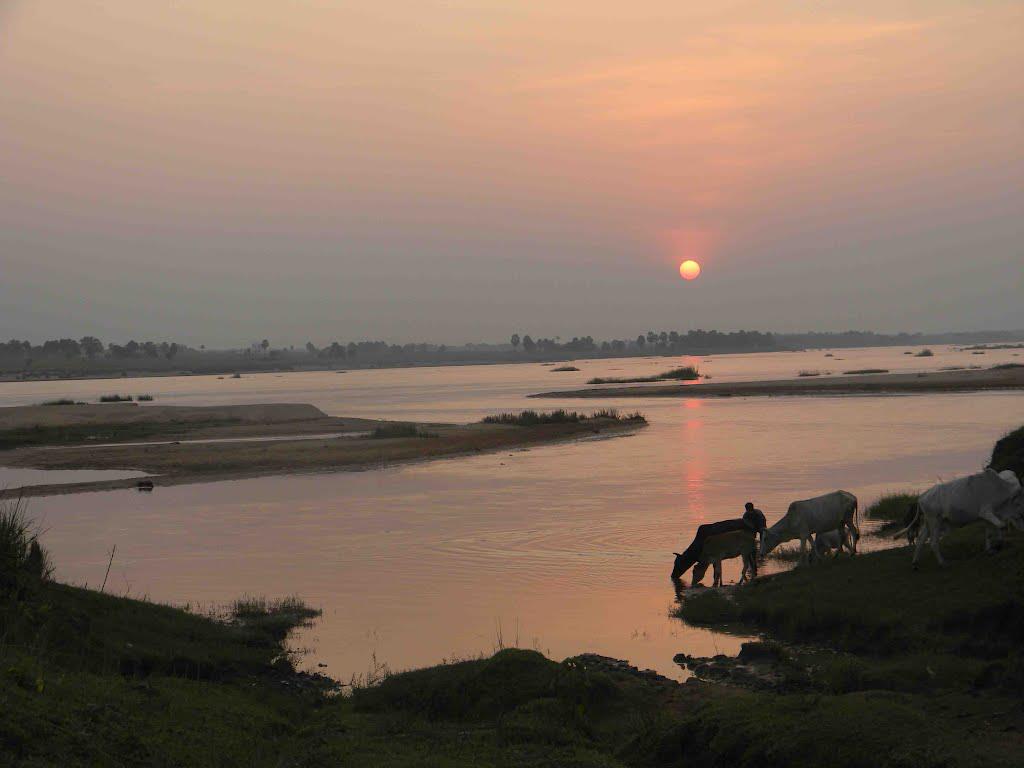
point(689, 269)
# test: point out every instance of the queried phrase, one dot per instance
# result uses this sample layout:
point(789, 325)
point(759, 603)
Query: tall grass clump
point(274, 617)
point(22, 558)
point(564, 369)
point(893, 508)
point(925, 353)
point(144, 398)
point(60, 401)
point(115, 398)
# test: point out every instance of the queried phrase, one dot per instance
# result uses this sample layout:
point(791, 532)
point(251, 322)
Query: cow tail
point(912, 523)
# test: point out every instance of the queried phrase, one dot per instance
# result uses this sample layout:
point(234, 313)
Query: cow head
point(677, 567)
point(769, 541)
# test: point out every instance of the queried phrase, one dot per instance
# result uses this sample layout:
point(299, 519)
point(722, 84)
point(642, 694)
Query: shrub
point(144, 398)
point(115, 398)
point(925, 353)
point(1008, 452)
point(866, 370)
point(61, 401)
point(564, 368)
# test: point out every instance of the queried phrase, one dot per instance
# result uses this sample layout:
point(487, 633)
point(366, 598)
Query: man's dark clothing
point(755, 520)
point(752, 520)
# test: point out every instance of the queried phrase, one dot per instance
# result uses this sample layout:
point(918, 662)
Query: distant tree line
point(88, 354)
point(88, 347)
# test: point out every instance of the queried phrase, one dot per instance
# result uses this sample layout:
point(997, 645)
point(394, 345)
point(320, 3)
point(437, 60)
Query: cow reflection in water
point(715, 549)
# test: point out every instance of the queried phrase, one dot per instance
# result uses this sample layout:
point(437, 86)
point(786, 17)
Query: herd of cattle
point(829, 523)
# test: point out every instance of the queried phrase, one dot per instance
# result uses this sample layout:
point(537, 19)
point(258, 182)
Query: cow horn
point(677, 554)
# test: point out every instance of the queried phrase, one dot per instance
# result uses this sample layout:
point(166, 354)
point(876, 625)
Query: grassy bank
point(91, 679)
point(920, 668)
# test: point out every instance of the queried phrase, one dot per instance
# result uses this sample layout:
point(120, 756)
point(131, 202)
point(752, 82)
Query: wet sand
point(871, 384)
point(247, 454)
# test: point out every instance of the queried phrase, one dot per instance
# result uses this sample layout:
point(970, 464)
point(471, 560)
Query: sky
point(416, 170)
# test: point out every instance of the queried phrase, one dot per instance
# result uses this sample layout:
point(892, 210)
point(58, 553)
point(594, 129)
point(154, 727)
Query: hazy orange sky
point(223, 170)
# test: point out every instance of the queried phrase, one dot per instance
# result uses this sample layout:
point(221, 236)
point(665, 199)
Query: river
point(566, 548)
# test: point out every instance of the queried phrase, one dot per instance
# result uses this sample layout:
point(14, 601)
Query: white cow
point(989, 496)
point(833, 511)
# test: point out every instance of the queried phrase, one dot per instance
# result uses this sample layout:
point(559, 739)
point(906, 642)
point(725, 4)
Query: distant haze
point(220, 171)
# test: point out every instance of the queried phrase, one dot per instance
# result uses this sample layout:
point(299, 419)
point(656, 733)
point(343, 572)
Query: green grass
point(876, 603)
point(686, 373)
point(560, 416)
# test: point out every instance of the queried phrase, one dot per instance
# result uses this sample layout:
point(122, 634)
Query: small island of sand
point(180, 444)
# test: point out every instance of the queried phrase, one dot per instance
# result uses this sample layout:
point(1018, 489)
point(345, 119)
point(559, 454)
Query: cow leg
point(988, 516)
point(851, 535)
point(718, 574)
point(934, 534)
point(854, 534)
point(846, 542)
point(699, 569)
point(922, 538)
point(804, 557)
point(753, 565)
point(993, 539)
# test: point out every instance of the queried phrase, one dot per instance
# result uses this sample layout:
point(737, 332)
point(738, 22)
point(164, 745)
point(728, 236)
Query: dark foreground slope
point(905, 669)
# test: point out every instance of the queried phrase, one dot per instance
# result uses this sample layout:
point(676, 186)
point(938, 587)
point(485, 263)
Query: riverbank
point(94, 679)
point(998, 378)
point(178, 445)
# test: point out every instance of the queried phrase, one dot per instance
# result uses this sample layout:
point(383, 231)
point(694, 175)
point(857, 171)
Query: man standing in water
point(753, 520)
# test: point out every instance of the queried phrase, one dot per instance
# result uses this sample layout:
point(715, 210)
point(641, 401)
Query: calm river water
point(566, 548)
